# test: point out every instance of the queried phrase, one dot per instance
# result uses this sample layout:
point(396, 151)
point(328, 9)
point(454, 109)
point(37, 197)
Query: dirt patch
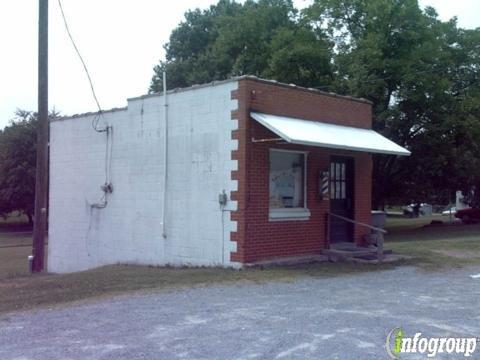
point(459, 254)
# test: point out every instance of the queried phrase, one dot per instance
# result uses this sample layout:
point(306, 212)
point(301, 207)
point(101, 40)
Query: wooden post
point(327, 231)
point(380, 254)
point(41, 179)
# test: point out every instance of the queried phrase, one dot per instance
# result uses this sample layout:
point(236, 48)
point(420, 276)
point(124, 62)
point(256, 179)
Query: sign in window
point(287, 179)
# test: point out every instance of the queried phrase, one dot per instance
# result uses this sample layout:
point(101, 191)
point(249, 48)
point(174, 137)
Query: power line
point(107, 187)
point(80, 56)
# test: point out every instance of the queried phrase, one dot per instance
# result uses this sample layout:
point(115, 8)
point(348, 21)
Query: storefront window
point(287, 180)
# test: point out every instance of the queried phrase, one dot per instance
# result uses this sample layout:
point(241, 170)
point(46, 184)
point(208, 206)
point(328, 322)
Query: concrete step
point(364, 253)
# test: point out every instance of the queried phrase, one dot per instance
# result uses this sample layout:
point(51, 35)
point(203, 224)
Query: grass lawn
point(28, 292)
point(402, 225)
point(432, 248)
point(15, 246)
point(19, 290)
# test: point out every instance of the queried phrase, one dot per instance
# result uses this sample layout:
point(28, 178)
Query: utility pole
point(41, 182)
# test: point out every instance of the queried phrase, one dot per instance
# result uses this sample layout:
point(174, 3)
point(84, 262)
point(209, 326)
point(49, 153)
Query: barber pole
point(325, 185)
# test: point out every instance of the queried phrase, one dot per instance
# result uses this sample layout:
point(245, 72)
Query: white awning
point(314, 133)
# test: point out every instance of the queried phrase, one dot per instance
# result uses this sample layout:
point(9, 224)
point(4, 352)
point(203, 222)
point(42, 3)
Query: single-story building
point(224, 174)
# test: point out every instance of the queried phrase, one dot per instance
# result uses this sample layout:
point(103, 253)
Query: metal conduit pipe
point(165, 157)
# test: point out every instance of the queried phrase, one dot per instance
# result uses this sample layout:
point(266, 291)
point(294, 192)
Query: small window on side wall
point(287, 185)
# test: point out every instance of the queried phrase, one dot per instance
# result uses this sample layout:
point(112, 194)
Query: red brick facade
point(258, 238)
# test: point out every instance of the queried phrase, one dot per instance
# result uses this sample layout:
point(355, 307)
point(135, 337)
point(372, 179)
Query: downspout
point(165, 156)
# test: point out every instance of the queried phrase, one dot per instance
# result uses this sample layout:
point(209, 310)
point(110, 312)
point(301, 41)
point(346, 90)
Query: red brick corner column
point(240, 175)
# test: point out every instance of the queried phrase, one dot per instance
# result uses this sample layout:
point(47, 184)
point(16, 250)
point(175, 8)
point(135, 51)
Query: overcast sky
point(120, 40)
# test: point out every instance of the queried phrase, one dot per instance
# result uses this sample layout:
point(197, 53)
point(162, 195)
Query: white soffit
point(314, 133)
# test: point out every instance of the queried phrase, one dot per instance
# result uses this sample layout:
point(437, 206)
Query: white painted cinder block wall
point(129, 229)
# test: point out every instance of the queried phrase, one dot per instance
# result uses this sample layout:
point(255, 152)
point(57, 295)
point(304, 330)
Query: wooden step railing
point(376, 230)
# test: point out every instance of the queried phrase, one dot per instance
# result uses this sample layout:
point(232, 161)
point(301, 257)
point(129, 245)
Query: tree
point(421, 75)
point(17, 164)
point(253, 38)
point(300, 56)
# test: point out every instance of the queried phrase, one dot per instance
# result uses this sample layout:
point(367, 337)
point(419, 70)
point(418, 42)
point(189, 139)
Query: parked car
point(416, 210)
point(468, 215)
point(452, 211)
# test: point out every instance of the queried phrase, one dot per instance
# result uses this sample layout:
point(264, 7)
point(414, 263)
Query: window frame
point(297, 213)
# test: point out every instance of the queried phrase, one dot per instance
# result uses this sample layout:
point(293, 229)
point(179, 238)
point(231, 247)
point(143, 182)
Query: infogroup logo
point(398, 344)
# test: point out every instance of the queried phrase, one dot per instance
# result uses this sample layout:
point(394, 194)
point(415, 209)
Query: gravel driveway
point(345, 317)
